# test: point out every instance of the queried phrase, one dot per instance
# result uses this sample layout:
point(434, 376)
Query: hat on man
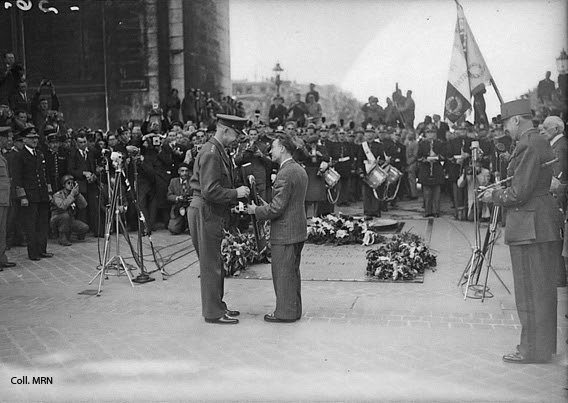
point(234, 122)
point(29, 132)
point(5, 131)
point(519, 107)
point(184, 165)
point(52, 137)
point(65, 178)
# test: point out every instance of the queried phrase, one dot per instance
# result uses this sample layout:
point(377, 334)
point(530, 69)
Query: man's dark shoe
point(35, 258)
point(223, 320)
point(63, 241)
point(7, 264)
point(269, 317)
point(228, 312)
point(518, 358)
point(46, 255)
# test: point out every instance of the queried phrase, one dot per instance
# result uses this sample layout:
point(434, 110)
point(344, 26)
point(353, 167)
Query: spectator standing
point(40, 106)
point(33, 190)
point(19, 99)
point(277, 113)
point(545, 89)
point(313, 92)
point(408, 110)
point(373, 112)
point(298, 110)
point(55, 160)
point(173, 104)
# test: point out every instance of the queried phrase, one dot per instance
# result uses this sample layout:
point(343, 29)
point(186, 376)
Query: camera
point(156, 141)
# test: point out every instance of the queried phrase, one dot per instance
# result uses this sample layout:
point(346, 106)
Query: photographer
point(155, 121)
point(40, 109)
point(179, 193)
point(65, 204)
point(55, 160)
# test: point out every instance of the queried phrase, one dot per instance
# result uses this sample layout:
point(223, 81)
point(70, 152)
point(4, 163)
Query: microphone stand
point(143, 277)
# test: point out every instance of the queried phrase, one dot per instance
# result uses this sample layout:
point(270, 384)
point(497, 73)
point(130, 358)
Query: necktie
point(183, 187)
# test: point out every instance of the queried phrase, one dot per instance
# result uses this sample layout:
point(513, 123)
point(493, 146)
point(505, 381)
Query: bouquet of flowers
point(341, 230)
point(402, 258)
point(239, 251)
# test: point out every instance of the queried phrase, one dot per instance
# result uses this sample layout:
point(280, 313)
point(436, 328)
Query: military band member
point(317, 161)
point(343, 157)
point(213, 193)
point(34, 192)
point(532, 232)
point(430, 171)
point(370, 154)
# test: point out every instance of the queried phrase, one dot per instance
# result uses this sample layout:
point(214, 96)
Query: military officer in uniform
point(34, 192)
point(532, 232)
point(213, 193)
point(55, 159)
point(4, 196)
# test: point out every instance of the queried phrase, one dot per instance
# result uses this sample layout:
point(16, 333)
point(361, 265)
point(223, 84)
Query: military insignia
point(500, 147)
point(475, 70)
point(454, 105)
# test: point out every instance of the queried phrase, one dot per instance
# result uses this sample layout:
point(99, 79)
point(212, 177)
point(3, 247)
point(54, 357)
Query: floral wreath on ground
point(342, 229)
point(239, 251)
point(402, 258)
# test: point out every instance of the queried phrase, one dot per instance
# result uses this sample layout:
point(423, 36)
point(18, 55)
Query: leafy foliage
point(238, 250)
point(341, 230)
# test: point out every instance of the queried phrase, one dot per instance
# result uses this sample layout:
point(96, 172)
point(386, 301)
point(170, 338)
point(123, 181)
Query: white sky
point(366, 46)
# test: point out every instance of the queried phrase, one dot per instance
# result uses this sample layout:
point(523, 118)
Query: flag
point(468, 71)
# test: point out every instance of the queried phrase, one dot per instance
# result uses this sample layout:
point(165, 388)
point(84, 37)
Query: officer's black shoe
point(223, 320)
point(228, 312)
point(46, 254)
point(7, 264)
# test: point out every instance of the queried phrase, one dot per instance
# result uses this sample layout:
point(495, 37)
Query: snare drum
point(376, 177)
point(331, 177)
point(393, 175)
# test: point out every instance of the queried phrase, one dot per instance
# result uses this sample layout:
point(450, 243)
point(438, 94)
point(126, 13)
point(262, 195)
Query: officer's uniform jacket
point(532, 213)
point(212, 178)
point(56, 166)
point(30, 178)
point(5, 184)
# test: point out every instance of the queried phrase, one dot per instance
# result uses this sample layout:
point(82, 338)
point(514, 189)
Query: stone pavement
point(356, 341)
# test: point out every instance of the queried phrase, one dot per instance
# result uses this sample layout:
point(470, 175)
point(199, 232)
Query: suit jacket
point(532, 213)
point(175, 190)
point(288, 224)
point(212, 178)
point(4, 182)
point(30, 178)
point(76, 165)
point(560, 149)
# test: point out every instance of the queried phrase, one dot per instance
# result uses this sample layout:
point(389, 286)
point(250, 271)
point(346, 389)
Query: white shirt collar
point(555, 139)
point(31, 150)
point(286, 160)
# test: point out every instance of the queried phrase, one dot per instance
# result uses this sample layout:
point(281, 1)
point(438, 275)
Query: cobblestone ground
point(356, 340)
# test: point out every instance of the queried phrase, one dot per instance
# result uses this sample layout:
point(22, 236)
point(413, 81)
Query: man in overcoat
point(288, 230)
point(4, 196)
point(213, 194)
point(532, 232)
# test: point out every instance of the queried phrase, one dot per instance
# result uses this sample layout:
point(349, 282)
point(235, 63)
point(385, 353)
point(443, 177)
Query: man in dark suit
point(179, 193)
point(81, 164)
point(34, 192)
point(4, 196)
point(288, 230)
point(532, 232)
point(441, 127)
point(213, 193)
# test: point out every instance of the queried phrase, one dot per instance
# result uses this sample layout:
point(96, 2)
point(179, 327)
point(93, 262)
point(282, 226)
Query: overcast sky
point(366, 46)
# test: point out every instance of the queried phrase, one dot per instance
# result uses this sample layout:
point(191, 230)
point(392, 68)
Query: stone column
point(177, 71)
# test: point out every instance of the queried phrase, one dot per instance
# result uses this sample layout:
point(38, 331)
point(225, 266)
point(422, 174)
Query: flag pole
point(496, 90)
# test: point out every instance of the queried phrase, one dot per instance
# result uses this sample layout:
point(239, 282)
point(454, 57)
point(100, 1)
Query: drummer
point(316, 162)
point(370, 154)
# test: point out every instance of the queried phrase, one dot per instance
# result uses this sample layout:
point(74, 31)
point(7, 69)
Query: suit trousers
point(66, 224)
point(3, 225)
point(534, 275)
point(36, 226)
point(431, 199)
point(286, 280)
point(206, 235)
point(14, 231)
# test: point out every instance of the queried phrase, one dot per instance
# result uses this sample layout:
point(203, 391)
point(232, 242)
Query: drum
point(331, 177)
point(393, 175)
point(376, 177)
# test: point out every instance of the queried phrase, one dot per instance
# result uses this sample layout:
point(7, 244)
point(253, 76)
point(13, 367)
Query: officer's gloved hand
point(242, 192)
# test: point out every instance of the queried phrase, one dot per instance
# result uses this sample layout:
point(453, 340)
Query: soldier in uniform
point(34, 191)
point(342, 155)
point(253, 159)
point(4, 197)
point(213, 193)
point(317, 161)
point(532, 232)
point(14, 232)
point(430, 171)
point(55, 160)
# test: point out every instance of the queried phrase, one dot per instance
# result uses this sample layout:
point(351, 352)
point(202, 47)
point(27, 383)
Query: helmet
point(65, 178)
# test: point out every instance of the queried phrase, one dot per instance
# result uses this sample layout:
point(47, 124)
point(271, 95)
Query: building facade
point(110, 60)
